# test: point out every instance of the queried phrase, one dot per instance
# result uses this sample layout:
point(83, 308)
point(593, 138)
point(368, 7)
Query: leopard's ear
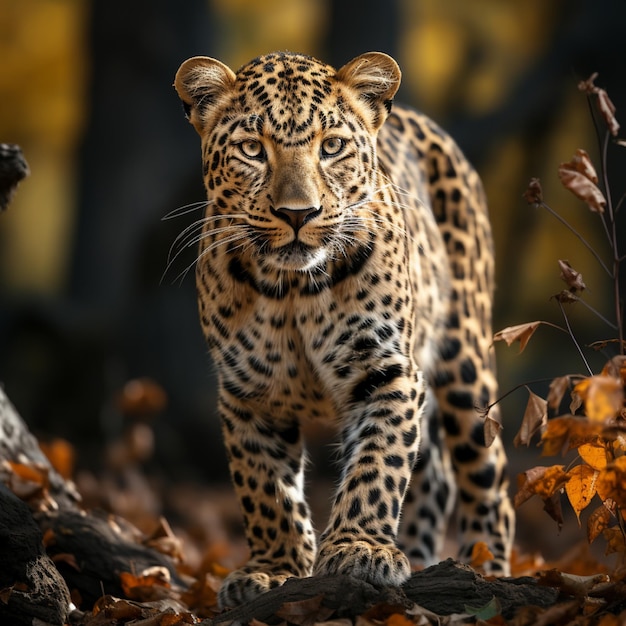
point(202, 83)
point(376, 78)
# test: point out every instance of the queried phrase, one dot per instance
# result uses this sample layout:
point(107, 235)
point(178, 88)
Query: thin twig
point(589, 247)
point(573, 338)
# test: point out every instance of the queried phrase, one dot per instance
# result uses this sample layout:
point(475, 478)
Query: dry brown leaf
point(605, 105)
point(581, 487)
point(572, 278)
point(492, 429)
point(535, 418)
point(541, 481)
point(557, 390)
point(614, 540)
point(520, 332)
point(68, 559)
point(552, 506)
point(305, 612)
point(571, 584)
point(597, 522)
point(533, 194)
point(579, 177)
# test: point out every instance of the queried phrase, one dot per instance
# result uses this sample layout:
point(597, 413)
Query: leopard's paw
point(383, 565)
point(245, 584)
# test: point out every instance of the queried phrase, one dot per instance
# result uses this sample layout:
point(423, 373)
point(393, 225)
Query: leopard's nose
point(296, 218)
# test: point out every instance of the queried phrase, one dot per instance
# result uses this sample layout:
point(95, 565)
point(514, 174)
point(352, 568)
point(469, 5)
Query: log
point(30, 584)
point(89, 548)
point(13, 168)
point(444, 589)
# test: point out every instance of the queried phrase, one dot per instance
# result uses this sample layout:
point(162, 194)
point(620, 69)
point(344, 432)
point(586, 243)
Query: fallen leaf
point(61, 455)
point(396, 619)
point(481, 554)
point(305, 612)
point(571, 584)
point(489, 610)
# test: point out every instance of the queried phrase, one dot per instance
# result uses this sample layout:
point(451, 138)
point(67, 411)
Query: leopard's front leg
point(266, 466)
point(380, 438)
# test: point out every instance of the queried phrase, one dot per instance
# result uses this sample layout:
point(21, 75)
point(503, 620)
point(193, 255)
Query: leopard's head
point(289, 152)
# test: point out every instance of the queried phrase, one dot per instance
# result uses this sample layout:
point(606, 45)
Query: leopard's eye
point(332, 146)
point(252, 148)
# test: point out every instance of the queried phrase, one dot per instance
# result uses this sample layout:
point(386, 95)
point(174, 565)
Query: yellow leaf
point(603, 397)
point(593, 454)
point(521, 332)
point(581, 487)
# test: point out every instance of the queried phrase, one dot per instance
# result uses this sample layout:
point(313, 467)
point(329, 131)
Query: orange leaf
point(581, 487)
point(611, 482)
point(61, 455)
point(593, 454)
point(521, 332)
point(603, 397)
point(614, 540)
point(481, 554)
point(396, 619)
point(540, 481)
point(567, 432)
point(535, 418)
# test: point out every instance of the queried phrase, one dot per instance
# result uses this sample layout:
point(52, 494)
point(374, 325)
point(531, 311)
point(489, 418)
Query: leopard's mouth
point(298, 256)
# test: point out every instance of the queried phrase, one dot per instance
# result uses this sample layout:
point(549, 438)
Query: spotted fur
point(345, 273)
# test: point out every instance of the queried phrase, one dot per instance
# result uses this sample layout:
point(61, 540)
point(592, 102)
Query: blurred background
point(86, 303)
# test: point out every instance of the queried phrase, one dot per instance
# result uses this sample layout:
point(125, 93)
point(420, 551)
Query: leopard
point(345, 273)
